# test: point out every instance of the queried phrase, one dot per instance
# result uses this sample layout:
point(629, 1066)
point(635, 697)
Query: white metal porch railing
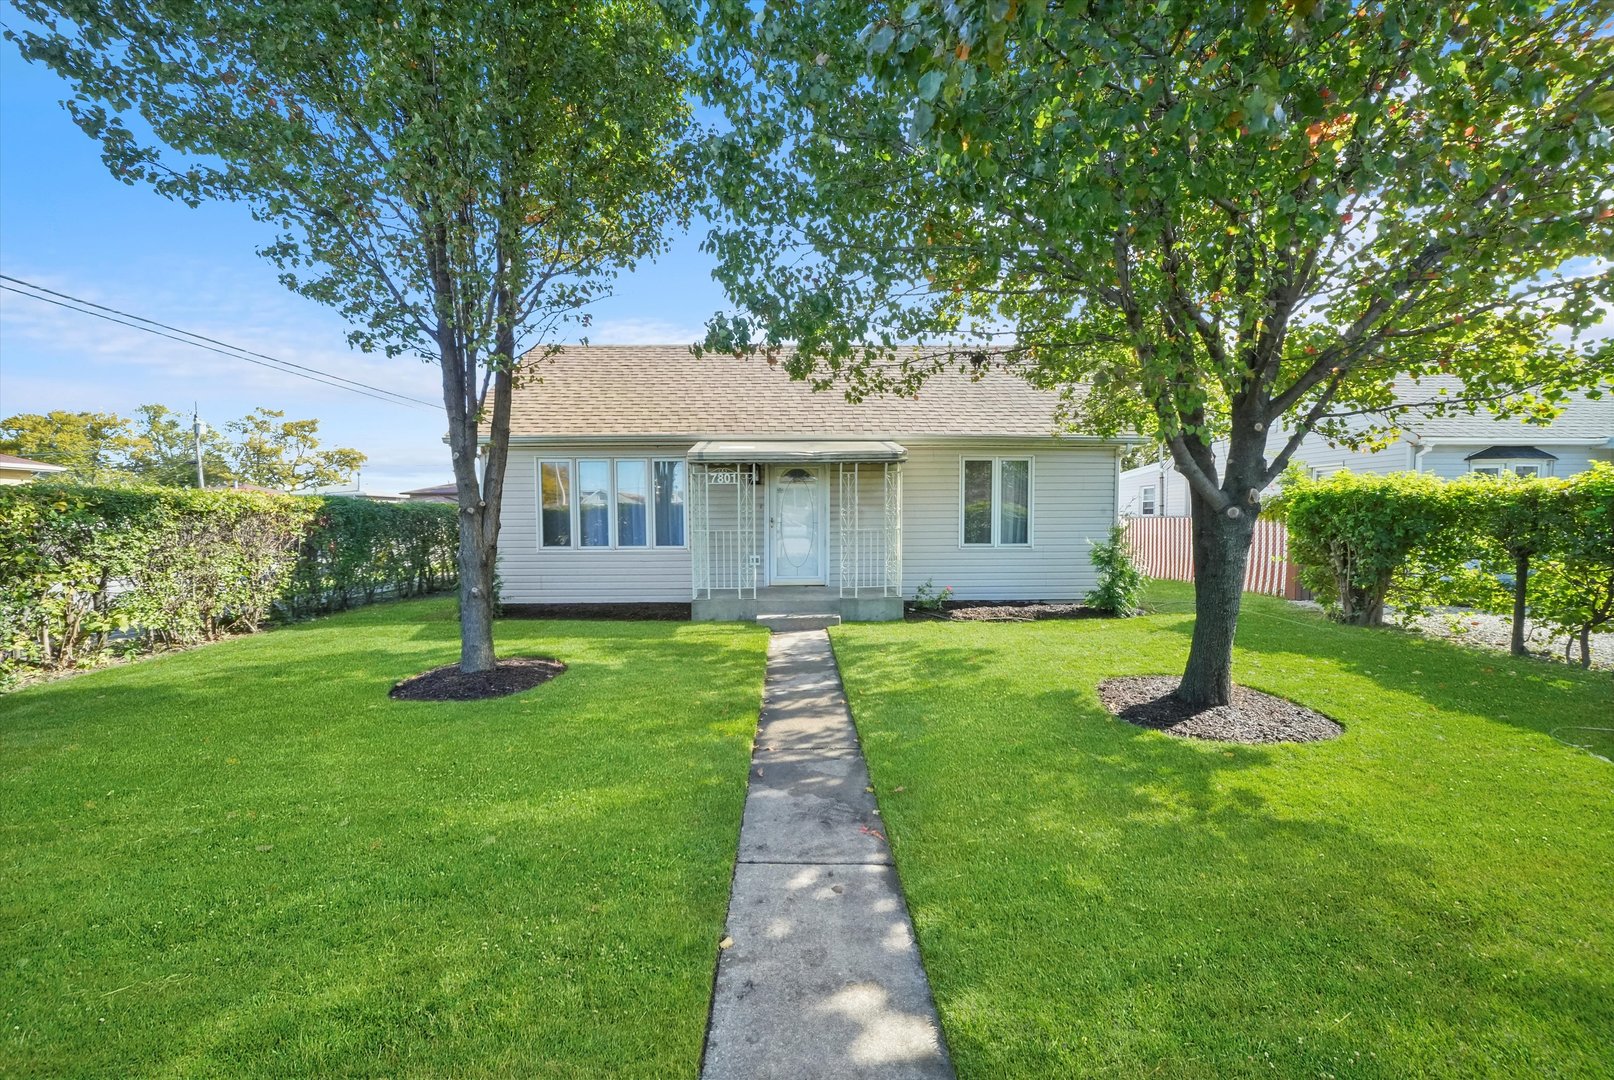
point(726, 566)
point(724, 558)
point(870, 554)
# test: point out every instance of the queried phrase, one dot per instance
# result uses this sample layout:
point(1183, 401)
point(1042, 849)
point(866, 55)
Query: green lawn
point(246, 860)
point(1428, 895)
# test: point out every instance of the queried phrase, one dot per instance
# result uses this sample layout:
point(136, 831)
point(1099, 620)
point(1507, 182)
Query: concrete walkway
point(823, 978)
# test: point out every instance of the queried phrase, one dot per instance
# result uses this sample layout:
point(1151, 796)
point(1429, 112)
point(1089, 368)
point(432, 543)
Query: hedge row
point(89, 570)
point(1536, 548)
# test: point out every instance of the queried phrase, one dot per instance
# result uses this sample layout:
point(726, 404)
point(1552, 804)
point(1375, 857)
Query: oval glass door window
point(798, 542)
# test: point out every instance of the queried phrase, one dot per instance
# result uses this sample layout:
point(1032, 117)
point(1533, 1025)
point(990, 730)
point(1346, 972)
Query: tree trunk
point(476, 564)
point(1521, 582)
point(1586, 647)
point(1221, 553)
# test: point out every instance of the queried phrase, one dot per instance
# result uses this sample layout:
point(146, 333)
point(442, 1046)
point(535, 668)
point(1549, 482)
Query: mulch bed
point(994, 611)
point(448, 683)
point(1254, 717)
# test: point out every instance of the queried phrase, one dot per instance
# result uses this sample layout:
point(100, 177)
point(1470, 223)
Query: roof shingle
point(661, 390)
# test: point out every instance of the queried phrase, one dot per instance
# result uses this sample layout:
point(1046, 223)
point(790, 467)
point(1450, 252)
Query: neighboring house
point(1448, 446)
point(442, 493)
point(20, 470)
point(640, 474)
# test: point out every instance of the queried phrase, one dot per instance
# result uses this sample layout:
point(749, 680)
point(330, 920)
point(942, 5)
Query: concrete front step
point(785, 623)
point(847, 608)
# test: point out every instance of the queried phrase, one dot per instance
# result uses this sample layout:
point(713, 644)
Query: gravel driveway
point(1496, 632)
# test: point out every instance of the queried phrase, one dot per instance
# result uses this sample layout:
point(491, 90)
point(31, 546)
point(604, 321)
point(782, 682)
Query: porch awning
point(772, 451)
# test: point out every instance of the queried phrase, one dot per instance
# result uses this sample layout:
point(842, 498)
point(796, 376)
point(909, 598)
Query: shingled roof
point(1581, 420)
point(661, 390)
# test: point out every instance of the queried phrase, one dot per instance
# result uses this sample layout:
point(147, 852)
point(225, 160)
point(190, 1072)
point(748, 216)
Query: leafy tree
point(273, 452)
point(1222, 220)
point(1358, 535)
point(1523, 519)
point(91, 445)
point(163, 450)
point(1573, 589)
point(455, 178)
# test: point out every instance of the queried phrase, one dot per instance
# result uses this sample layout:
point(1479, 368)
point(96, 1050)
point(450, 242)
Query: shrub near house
point(84, 570)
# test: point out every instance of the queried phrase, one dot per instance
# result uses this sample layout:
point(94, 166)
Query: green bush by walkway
point(1427, 895)
point(245, 860)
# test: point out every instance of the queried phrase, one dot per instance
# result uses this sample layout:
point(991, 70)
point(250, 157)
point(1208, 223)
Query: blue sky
point(66, 224)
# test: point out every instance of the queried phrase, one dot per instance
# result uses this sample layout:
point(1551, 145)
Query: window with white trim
point(1493, 467)
point(605, 503)
point(995, 502)
point(555, 503)
point(1148, 504)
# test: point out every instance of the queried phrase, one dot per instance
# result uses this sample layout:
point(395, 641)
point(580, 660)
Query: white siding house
point(1447, 446)
point(642, 475)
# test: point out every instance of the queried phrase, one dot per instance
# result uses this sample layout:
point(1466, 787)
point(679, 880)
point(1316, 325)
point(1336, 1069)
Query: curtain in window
point(977, 502)
point(594, 503)
point(1014, 491)
point(669, 503)
point(632, 505)
point(555, 483)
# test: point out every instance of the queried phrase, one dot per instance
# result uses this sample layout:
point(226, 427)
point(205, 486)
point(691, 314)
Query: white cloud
point(634, 331)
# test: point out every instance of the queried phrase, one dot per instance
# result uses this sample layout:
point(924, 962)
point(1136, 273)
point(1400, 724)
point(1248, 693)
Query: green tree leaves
point(159, 447)
point(456, 178)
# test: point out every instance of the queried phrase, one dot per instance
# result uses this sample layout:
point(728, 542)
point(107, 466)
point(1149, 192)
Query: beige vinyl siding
point(530, 574)
point(1323, 460)
point(1449, 460)
point(1073, 502)
point(1171, 490)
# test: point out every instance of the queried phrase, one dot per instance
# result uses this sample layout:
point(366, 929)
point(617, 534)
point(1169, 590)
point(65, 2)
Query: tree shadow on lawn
point(327, 668)
point(275, 863)
point(1530, 694)
point(1093, 897)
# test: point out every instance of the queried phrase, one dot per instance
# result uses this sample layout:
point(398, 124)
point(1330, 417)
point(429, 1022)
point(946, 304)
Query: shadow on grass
point(246, 860)
point(1531, 694)
point(1095, 898)
point(352, 660)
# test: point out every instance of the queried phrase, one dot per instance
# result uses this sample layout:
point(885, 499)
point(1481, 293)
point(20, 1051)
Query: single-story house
point(437, 493)
point(1447, 446)
point(643, 475)
point(20, 470)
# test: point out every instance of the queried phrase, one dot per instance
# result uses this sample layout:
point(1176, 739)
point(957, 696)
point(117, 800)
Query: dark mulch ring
point(1254, 717)
point(448, 683)
point(999, 611)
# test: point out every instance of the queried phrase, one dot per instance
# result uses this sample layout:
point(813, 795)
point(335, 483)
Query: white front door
point(798, 525)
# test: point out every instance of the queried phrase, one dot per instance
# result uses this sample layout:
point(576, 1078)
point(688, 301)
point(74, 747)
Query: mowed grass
point(246, 860)
point(1428, 895)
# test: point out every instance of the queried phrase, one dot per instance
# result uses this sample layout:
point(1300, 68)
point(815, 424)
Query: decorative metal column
point(700, 569)
point(745, 519)
point(893, 529)
point(846, 556)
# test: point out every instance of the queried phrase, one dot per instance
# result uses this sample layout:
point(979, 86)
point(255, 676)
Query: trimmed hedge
point(85, 571)
point(1542, 547)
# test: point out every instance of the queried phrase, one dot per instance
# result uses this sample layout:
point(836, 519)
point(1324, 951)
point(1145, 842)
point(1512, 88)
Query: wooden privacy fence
point(1164, 548)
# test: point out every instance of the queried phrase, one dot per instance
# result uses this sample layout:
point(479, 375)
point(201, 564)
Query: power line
point(234, 352)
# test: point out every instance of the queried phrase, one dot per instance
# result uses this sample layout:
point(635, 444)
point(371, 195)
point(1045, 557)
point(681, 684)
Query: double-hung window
point(1147, 503)
point(611, 502)
point(996, 502)
point(1509, 468)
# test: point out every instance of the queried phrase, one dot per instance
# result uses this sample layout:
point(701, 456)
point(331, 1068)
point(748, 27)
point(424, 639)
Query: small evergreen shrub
point(1120, 581)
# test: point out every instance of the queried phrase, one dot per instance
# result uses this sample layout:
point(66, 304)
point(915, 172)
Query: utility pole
point(198, 428)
